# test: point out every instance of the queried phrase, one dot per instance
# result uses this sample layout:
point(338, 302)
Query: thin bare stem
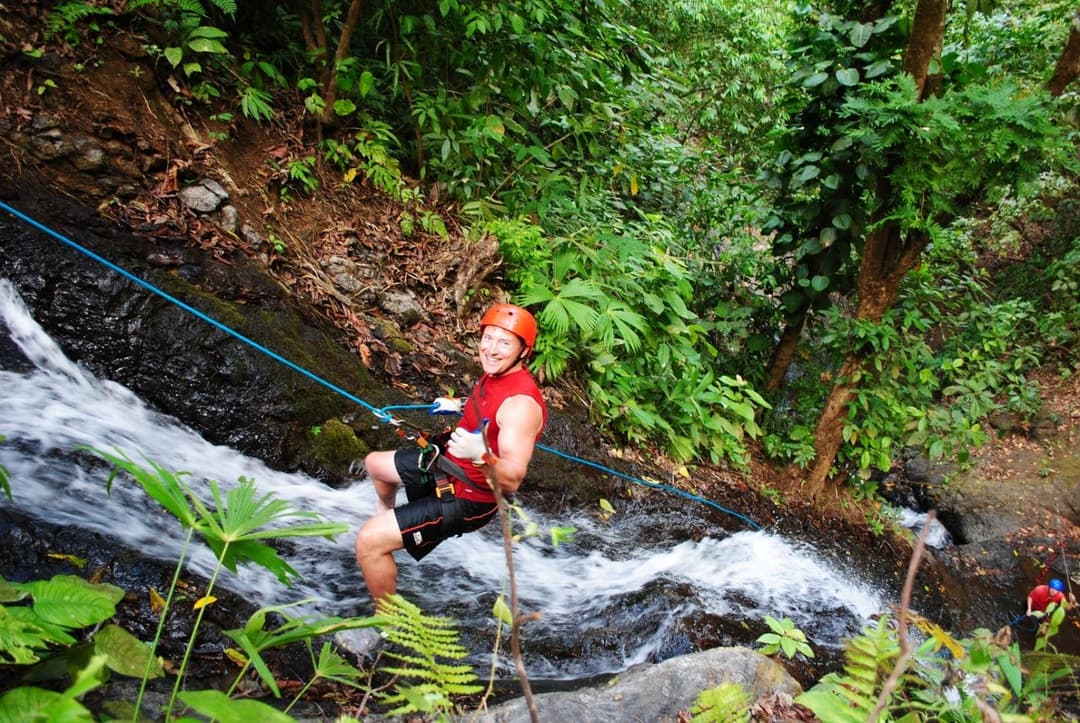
point(901, 620)
point(516, 617)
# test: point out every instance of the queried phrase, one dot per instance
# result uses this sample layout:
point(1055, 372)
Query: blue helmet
point(1057, 585)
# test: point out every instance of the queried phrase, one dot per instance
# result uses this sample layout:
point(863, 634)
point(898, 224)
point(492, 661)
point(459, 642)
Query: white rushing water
point(608, 600)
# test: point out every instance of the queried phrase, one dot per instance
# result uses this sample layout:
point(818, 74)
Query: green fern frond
point(62, 21)
point(852, 696)
point(427, 665)
point(226, 6)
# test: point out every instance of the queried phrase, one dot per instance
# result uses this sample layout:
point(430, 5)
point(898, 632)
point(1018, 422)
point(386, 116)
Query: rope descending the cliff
point(382, 414)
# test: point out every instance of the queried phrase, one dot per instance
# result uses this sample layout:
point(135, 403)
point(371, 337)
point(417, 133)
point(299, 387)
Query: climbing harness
point(383, 414)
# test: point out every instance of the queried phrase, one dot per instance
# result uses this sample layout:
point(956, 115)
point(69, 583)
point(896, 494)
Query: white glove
point(467, 445)
point(446, 405)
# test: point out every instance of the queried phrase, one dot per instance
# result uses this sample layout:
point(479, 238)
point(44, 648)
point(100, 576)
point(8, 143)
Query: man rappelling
point(448, 490)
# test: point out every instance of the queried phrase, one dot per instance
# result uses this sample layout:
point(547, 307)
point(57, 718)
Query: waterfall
point(607, 600)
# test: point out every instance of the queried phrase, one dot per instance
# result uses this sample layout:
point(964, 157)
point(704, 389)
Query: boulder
point(661, 692)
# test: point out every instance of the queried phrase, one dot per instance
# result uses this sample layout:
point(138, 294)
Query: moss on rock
point(335, 447)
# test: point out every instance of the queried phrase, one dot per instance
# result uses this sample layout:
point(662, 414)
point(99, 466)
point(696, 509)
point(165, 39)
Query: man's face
point(499, 350)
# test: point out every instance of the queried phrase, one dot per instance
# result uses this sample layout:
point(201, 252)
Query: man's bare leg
point(384, 477)
point(376, 542)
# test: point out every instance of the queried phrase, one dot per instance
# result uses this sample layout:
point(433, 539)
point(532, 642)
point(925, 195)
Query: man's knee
point(377, 536)
point(379, 465)
point(364, 541)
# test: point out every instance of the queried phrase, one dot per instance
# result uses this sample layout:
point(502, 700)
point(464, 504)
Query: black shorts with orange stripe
point(426, 520)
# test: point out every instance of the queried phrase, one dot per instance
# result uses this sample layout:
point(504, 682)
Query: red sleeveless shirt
point(483, 404)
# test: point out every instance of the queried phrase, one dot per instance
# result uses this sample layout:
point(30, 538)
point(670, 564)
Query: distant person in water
point(1043, 596)
point(447, 489)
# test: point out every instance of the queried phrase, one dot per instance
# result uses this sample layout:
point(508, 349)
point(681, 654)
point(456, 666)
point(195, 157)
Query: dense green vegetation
point(805, 224)
point(58, 631)
point(716, 208)
point(55, 629)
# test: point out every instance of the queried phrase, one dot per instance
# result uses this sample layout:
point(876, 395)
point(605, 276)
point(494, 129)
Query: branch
point(330, 91)
point(901, 620)
point(516, 617)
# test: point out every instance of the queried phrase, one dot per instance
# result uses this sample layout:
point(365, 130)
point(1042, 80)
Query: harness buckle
point(444, 487)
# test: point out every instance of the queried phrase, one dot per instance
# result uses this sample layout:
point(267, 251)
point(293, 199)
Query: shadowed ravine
point(624, 592)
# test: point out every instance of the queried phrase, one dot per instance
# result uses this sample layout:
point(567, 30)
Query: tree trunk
point(829, 433)
point(887, 258)
point(1068, 65)
point(330, 89)
point(784, 352)
point(888, 255)
point(927, 36)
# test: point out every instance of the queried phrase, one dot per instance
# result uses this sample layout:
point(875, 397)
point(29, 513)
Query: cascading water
point(608, 600)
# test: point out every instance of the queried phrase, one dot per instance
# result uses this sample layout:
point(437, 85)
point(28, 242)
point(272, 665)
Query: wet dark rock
point(230, 392)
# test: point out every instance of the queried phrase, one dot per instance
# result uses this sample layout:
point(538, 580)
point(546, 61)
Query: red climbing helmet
point(514, 319)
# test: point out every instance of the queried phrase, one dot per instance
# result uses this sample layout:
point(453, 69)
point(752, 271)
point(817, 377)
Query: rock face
point(661, 692)
point(227, 389)
point(1014, 515)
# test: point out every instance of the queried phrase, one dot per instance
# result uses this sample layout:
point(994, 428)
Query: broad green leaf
point(126, 654)
point(562, 535)
point(36, 704)
point(493, 124)
point(174, 56)
point(877, 68)
point(567, 96)
point(206, 45)
point(815, 80)
point(208, 32)
point(43, 628)
point(860, 34)
point(73, 602)
point(366, 83)
point(819, 283)
point(216, 705)
point(20, 639)
point(344, 108)
point(501, 611)
point(804, 174)
point(847, 76)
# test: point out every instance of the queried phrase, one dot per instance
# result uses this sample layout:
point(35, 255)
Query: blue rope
point(653, 485)
point(382, 414)
point(1023, 623)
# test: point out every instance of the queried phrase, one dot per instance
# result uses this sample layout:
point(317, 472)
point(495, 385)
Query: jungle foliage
point(677, 184)
point(58, 632)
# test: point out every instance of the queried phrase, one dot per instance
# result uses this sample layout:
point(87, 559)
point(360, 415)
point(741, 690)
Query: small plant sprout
point(784, 638)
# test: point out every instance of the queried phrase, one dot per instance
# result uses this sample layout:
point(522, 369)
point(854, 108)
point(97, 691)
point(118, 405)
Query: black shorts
point(426, 520)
